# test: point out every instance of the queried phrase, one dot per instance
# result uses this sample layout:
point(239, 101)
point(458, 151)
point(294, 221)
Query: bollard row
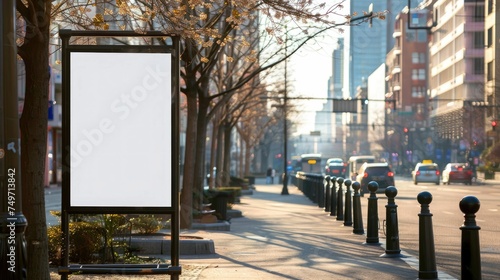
point(329, 194)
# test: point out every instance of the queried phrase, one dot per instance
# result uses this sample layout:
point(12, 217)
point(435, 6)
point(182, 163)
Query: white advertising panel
point(120, 122)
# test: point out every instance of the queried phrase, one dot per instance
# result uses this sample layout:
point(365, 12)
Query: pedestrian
point(273, 173)
point(269, 173)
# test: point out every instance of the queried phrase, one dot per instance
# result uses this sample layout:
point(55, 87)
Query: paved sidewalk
point(289, 237)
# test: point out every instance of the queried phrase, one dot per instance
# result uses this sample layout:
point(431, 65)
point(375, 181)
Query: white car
point(426, 173)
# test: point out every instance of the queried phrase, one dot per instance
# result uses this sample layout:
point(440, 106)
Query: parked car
point(335, 167)
point(426, 173)
point(378, 172)
point(457, 173)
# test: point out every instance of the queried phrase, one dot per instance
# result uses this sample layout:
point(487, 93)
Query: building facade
point(408, 136)
point(456, 79)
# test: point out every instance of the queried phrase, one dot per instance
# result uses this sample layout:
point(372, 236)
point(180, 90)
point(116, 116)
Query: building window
point(489, 74)
point(490, 37)
point(490, 6)
point(422, 35)
point(479, 65)
point(417, 92)
point(421, 74)
point(418, 74)
point(478, 40)
point(417, 57)
point(414, 57)
point(479, 13)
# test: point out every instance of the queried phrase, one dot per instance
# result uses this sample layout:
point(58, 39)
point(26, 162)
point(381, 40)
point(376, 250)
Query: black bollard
point(427, 255)
point(327, 193)
point(372, 224)
point(333, 197)
point(356, 210)
point(320, 190)
point(392, 249)
point(471, 257)
point(340, 205)
point(348, 204)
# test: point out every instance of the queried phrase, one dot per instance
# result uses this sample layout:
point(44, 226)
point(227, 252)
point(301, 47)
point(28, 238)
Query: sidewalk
point(289, 237)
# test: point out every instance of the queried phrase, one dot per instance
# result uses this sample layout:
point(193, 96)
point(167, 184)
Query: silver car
point(426, 173)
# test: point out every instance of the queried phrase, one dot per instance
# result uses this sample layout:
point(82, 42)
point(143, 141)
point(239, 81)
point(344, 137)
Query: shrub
point(146, 224)
point(85, 241)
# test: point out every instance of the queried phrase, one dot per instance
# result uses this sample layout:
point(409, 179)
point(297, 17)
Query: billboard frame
point(172, 48)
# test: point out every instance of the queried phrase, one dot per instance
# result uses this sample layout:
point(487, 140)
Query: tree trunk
point(220, 154)
point(199, 165)
point(186, 200)
point(248, 158)
point(227, 154)
point(33, 125)
point(213, 151)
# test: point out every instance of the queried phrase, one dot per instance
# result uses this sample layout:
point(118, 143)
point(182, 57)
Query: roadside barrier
point(426, 256)
point(357, 213)
point(327, 193)
point(320, 189)
point(471, 257)
point(391, 221)
point(324, 191)
point(340, 205)
point(333, 197)
point(372, 223)
point(348, 203)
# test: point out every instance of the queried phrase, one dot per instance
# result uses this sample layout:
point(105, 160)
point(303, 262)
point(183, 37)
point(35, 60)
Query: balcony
point(396, 70)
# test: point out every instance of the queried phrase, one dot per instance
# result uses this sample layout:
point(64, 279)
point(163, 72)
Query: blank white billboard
point(120, 129)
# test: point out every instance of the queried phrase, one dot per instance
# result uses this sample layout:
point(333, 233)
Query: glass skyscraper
point(366, 47)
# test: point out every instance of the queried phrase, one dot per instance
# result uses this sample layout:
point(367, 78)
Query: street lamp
point(284, 190)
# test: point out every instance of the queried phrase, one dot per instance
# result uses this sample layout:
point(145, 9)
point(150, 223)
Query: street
point(52, 203)
point(447, 219)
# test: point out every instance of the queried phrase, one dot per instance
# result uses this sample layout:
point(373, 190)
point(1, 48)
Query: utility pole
point(13, 222)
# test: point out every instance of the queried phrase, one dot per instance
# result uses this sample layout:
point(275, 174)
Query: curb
point(195, 246)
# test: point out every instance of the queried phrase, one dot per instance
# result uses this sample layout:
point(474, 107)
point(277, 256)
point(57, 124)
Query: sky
point(308, 72)
point(310, 68)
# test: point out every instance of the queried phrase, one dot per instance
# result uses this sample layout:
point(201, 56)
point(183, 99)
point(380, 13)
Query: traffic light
point(405, 130)
point(364, 103)
point(493, 124)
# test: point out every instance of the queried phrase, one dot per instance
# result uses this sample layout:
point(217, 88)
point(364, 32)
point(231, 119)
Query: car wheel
point(437, 183)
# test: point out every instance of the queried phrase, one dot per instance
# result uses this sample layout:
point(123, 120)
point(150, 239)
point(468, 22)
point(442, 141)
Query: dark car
point(457, 173)
point(378, 172)
point(335, 167)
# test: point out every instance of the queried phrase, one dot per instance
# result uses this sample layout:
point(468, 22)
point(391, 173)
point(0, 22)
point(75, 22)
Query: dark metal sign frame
point(172, 48)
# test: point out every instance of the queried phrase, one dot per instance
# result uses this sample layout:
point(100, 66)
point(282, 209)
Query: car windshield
point(427, 168)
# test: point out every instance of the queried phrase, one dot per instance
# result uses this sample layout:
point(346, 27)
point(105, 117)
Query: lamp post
point(12, 221)
point(284, 190)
